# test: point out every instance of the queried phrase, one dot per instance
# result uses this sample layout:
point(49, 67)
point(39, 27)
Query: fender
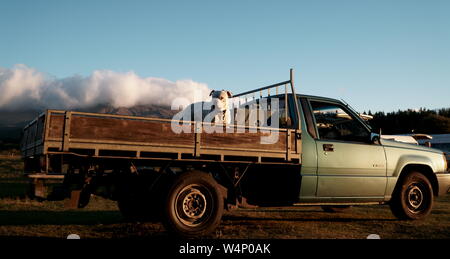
point(406, 160)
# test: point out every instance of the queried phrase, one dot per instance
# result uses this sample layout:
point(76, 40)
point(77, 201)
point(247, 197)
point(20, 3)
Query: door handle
point(328, 147)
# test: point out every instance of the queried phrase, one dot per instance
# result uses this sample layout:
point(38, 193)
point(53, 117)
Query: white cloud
point(22, 87)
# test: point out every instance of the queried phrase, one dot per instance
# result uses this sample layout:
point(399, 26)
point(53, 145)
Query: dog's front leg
point(218, 118)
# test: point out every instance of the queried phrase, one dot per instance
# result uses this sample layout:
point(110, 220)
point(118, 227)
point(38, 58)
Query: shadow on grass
point(27, 238)
point(102, 225)
point(8, 218)
point(13, 190)
point(319, 218)
point(158, 240)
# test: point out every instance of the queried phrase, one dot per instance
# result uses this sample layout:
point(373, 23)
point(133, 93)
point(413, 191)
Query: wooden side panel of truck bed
point(102, 135)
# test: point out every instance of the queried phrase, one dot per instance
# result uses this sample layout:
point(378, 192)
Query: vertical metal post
point(197, 136)
point(46, 130)
point(66, 136)
point(286, 105)
point(288, 145)
point(298, 131)
point(47, 161)
point(295, 99)
point(35, 136)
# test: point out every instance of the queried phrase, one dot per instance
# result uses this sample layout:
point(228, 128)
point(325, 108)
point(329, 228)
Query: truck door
point(349, 163)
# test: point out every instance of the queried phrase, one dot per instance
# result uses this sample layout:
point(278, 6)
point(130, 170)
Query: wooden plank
point(100, 142)
point(243, 140)
point(102, 147)
point(56, 126)
point(114, 129)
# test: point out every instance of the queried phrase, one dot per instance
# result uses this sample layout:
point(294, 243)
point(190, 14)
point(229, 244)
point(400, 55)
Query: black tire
point(413, 198)
point(194, 205)
point(336, 208)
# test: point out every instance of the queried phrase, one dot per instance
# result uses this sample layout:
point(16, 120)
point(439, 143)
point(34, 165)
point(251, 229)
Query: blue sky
point(377, 55)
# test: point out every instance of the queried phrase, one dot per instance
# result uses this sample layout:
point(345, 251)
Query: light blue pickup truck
point(281, 149)
point(353, 165)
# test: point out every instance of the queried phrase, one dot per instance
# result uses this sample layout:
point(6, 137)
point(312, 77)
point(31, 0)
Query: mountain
point(138, 110)
point(12, 122)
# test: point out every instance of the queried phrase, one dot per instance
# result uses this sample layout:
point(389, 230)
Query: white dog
point(217, 110)
point(220, 106)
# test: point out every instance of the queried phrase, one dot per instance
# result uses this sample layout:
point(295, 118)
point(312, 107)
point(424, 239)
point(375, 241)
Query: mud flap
point(78, 199)
point(72, 203)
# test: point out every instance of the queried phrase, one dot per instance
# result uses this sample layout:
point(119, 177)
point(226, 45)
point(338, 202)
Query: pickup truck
point(324, 154)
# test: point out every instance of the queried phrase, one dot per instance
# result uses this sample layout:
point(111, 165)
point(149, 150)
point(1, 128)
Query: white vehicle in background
point(416, 139)
point(438, 141)
point(401, 138)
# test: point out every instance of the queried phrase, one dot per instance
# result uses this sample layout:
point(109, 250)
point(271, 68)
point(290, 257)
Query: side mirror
point(375, 138)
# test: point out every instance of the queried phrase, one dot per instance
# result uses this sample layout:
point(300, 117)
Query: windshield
point(357, 113)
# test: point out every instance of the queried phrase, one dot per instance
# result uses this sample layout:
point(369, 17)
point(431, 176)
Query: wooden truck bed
point(104, 135)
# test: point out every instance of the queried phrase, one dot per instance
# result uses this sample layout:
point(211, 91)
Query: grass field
point(21, 217)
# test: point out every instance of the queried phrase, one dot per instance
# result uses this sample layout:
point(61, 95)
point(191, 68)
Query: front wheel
point(194, 205)
point(413, 199)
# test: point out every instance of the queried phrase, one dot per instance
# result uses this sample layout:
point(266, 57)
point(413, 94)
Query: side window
point(334, 123)
point(308, 117)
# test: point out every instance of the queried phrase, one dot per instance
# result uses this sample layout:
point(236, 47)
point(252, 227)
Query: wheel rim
point(193, 205)
point(415, 198)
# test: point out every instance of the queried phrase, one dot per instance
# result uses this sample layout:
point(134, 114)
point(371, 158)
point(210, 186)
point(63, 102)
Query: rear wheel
point(194, 205)
point(413, 199)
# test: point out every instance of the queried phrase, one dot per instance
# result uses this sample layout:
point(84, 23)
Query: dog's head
point(220, 99)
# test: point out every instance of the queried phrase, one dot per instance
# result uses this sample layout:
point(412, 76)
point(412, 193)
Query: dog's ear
point(229, 94)
point(211, 92)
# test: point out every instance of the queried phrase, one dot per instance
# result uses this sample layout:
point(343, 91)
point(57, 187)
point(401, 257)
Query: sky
point(378, 55)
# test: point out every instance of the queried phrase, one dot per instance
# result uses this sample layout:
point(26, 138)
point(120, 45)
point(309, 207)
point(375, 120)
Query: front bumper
point(444, 183)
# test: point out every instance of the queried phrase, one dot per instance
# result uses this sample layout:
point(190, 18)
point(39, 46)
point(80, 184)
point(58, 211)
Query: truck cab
point(353, 164)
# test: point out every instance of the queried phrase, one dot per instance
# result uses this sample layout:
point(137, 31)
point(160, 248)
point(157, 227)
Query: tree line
point(412, 121)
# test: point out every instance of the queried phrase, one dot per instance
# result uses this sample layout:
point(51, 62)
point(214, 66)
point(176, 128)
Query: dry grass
point(21, 217)
point(359, 222)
